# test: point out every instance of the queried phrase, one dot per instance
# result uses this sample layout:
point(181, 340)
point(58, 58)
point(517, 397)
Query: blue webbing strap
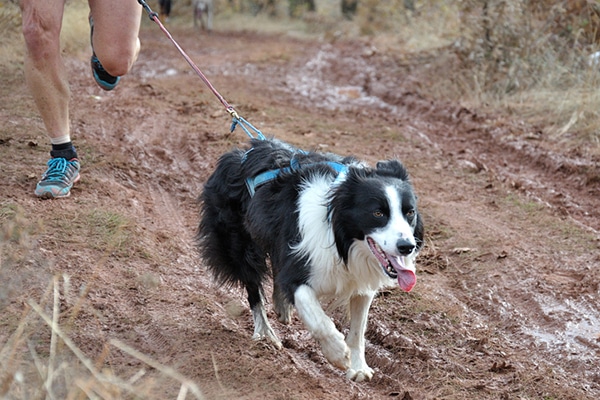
point(253, 183)
point(237, 120)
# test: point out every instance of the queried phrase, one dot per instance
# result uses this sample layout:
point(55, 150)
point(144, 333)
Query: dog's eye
point(378, 214)
point(410, 213)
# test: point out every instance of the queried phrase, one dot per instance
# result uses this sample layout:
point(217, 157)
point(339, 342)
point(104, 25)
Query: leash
point(236, 118)
point(254, 182)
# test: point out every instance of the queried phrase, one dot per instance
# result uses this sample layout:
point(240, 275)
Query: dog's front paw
point(360, 375)
point(336, 351)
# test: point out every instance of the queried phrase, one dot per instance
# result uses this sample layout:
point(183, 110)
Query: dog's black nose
point(404, 247)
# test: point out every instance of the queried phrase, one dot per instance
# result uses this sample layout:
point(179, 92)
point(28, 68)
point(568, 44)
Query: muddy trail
point(506, 304)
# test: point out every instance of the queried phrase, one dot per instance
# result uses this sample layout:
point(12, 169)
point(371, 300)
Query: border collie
point(334, 229)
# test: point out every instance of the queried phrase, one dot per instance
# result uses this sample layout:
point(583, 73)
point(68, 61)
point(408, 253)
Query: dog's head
point(377, 209)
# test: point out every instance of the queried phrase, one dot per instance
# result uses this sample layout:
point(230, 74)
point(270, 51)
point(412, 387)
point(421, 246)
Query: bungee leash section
point(236, 118)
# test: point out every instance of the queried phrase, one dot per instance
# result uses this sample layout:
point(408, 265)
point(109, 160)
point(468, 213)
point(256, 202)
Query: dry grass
point(531, 59)
point(34, 368)
point(574, 113)
point(11, 45)
point(38, 356)
point(76, 29)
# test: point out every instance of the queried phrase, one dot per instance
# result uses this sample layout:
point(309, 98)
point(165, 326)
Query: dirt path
point(506, 304)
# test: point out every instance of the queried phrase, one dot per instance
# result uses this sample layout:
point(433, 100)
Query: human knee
point(118, 60)
point(40, 38)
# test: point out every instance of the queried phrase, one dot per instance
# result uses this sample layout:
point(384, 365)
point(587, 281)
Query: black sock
point(64, 150)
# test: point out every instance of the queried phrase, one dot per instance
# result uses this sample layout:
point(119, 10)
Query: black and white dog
point(333, 228)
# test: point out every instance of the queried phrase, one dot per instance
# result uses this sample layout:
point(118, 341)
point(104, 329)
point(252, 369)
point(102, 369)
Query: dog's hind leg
point(282, 306)
point(262, 328)
point(359, 309)
point(321, 327)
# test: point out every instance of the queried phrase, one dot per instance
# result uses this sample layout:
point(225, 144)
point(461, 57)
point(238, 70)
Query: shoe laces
point(97, 64)
point(57, 168)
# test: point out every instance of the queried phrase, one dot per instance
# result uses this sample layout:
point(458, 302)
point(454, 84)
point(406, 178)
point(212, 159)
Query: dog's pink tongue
point(406, 277)
point(407, 280)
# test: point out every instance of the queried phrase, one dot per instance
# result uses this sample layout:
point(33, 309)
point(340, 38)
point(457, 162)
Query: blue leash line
point(237, 120)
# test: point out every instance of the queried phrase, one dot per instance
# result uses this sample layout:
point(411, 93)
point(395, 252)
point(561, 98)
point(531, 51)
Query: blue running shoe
point(105, 80)
point(58, 179)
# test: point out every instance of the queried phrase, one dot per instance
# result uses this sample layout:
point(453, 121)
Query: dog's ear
point(392, 168)
point(419, 231)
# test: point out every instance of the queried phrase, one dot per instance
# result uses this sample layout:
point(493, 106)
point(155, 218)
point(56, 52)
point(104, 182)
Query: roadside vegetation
point(539, 60)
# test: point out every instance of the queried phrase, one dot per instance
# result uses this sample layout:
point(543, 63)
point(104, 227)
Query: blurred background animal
point(165, 8)
point(203, 14)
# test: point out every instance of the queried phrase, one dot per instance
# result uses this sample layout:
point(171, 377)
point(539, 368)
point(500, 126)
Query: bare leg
point(44, 68)
point(116, 29)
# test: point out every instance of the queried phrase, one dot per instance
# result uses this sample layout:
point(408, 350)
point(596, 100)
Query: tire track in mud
point(499, 318)
point(568, 329)
point(570, 184)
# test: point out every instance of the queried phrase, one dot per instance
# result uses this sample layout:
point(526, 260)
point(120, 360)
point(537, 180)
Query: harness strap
point(264, 177)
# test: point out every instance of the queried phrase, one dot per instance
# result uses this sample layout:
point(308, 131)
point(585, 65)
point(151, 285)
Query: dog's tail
point(224, 243)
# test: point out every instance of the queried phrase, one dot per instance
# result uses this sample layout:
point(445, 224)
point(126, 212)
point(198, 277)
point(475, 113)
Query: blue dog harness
point(264, 177)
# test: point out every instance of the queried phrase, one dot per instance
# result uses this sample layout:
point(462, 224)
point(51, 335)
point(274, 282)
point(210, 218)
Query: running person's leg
point(46, 78)
point(115, 38)
point(45, 71)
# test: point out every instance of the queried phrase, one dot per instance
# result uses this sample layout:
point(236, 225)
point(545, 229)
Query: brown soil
point(506, 304)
